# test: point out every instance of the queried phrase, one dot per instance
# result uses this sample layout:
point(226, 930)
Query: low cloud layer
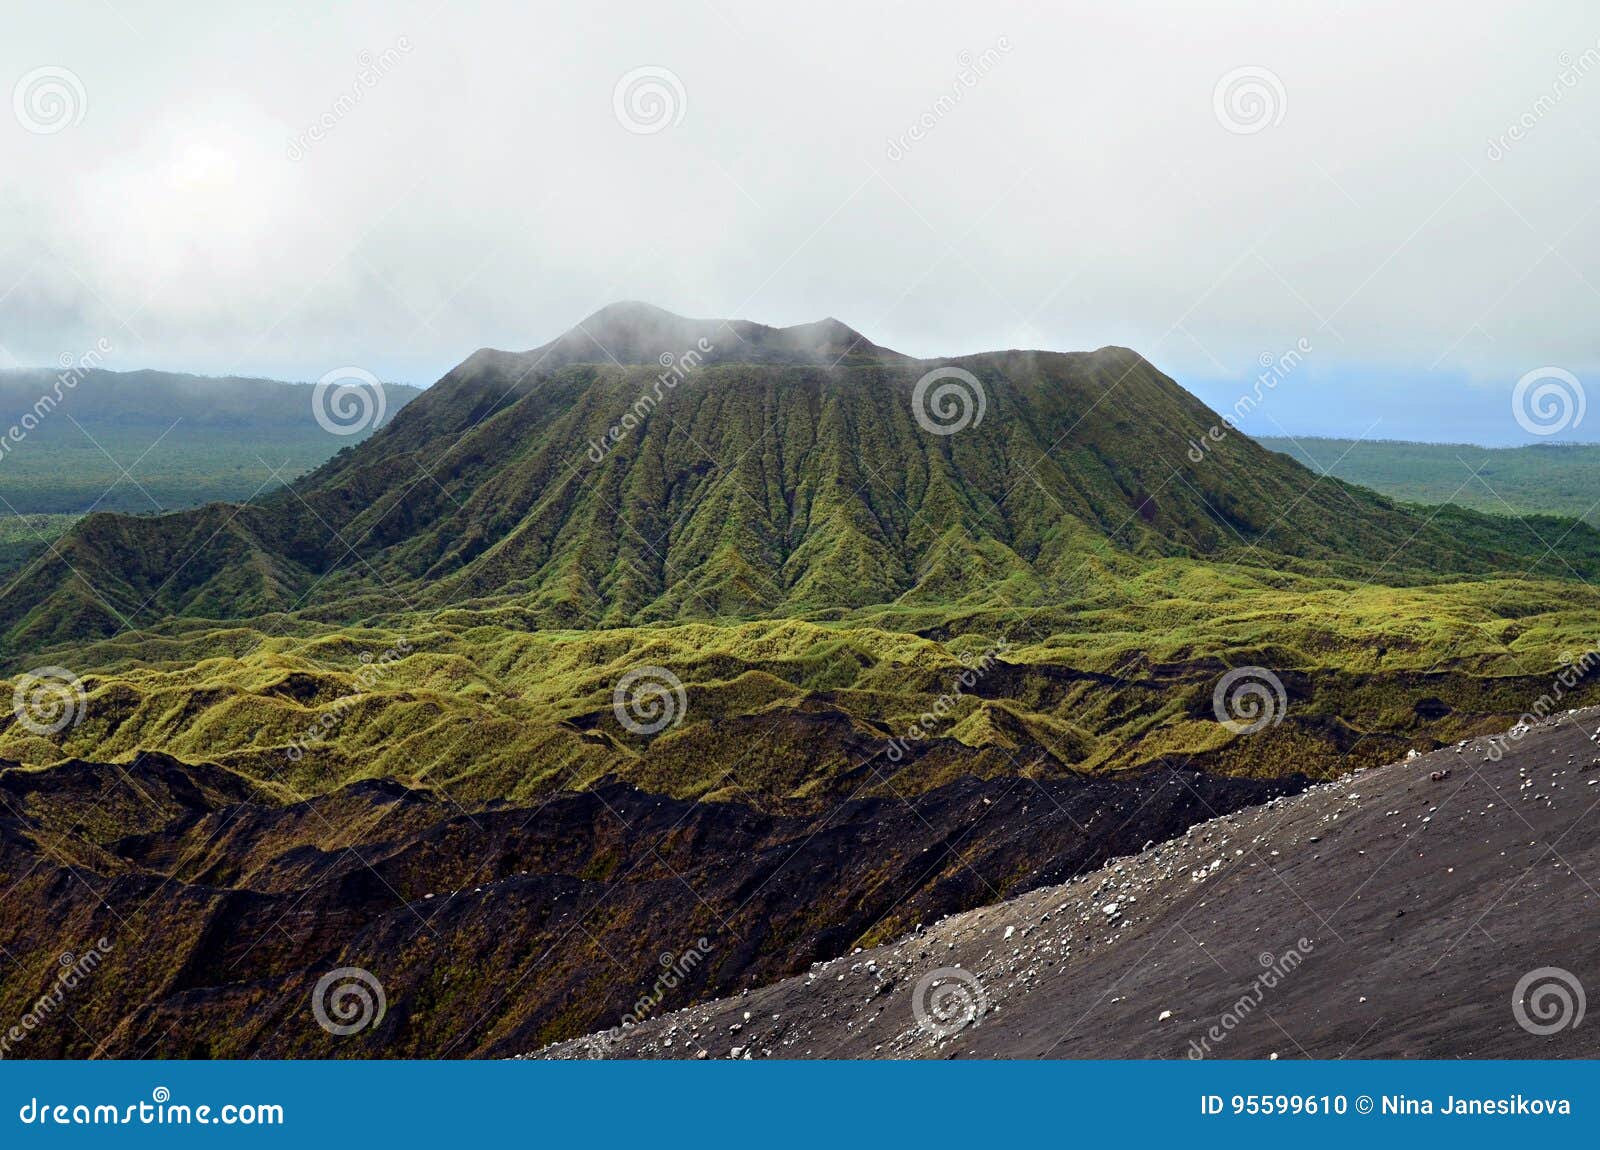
point(284, 191)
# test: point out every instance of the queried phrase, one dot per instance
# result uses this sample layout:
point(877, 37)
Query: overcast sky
point(280, 190)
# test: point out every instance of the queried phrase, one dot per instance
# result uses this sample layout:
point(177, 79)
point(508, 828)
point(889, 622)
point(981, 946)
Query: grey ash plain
point(1417, 895)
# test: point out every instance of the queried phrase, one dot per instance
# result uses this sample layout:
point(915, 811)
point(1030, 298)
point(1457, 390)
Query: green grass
point(481, 708)
point(811, 564)
point(24, 535)
point(68, 473)
point(142, 443)
point(759, 490)
point(1557, 479)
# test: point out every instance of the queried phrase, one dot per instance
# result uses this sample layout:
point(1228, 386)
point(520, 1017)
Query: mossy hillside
point(756, 489)
point(785, 708)
point(816, 567)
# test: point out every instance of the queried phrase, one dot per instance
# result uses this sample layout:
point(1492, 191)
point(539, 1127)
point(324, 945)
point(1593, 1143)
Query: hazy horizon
point(1311, 408)
point(278, 194)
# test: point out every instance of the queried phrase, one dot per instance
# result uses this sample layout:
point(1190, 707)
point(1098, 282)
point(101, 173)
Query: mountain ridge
point(801, 471)
point(631, 332)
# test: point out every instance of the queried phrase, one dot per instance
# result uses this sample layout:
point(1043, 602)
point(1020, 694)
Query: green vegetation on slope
point(749, 490)
point(470, 703)
point(911, 673)
point(63, 471)
point(1552, 478)
point(25, 535)
point(183, 440)
point(453, 602)
point(145, 442)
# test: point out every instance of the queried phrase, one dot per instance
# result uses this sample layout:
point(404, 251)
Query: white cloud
point(1081, 191)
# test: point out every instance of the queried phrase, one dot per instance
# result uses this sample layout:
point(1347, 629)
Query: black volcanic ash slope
point(1397, 911)
point(497, 929)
